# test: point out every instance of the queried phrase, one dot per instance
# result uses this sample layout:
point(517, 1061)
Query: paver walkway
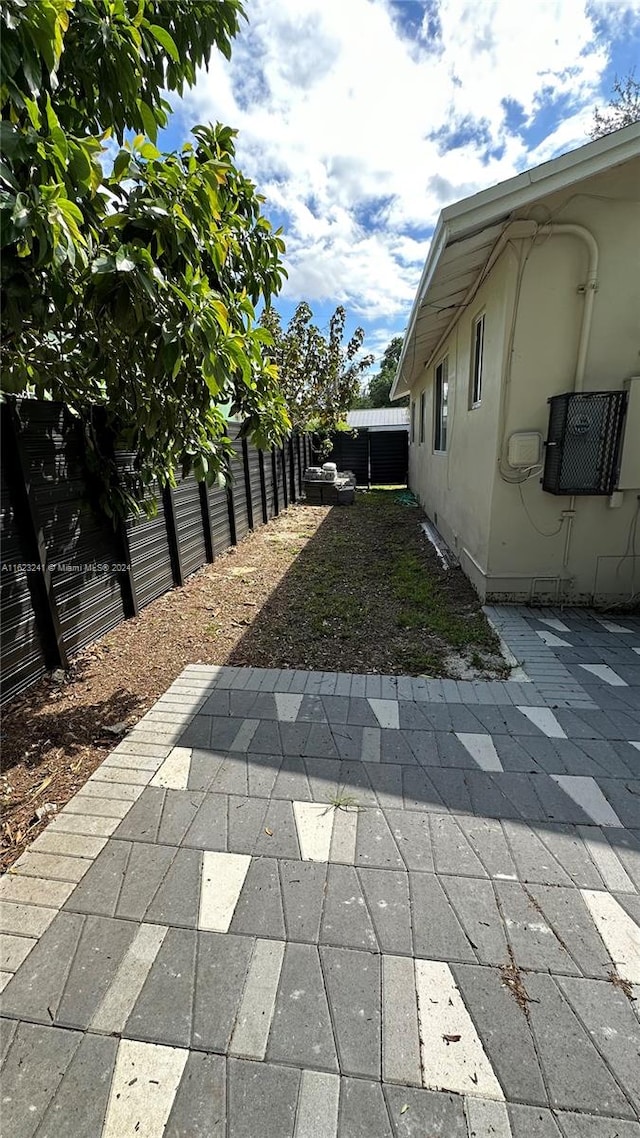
point(301, 905)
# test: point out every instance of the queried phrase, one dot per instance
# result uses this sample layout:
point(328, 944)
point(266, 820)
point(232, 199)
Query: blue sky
point(360, 119)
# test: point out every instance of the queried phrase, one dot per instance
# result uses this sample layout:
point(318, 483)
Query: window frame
point(423, 415)
point(476, 379)
point(412, 432)
point(440, 404)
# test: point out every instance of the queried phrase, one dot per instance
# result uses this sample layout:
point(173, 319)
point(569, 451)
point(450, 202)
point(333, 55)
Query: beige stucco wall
point(507, 536)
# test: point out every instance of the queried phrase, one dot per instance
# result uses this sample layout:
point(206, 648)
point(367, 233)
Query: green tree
point(622, 109)
point(134, 291)
point(379, 387)
point(319, 377)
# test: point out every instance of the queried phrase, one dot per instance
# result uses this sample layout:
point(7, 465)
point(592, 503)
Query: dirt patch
point(354, 589)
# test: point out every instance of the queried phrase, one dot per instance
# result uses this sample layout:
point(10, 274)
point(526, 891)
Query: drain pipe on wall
point(589, 290)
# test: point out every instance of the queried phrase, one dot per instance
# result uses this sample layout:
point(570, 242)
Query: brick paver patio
point(301, 905)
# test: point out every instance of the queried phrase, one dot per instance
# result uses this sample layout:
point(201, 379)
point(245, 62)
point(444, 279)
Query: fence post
point(206, 520)
point(247, 482)
point(129, 593)
point(292, 471)
point(263, 487)
point(285, 488)
point(299, 464)
point(32, 534)
point(169, 507)
point(231, 510)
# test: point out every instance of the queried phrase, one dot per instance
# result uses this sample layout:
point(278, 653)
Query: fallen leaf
point(43, 785)
point(451, 1039)
point(404, 1108)
point(268, 831)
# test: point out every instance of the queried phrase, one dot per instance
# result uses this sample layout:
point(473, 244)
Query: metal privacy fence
point(377, 458)
point(68, 576)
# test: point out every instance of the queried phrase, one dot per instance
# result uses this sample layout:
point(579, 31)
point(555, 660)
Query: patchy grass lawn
point(353, 588)
point(367, 593)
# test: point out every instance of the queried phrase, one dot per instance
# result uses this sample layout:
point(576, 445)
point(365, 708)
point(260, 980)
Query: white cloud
point(359, 133)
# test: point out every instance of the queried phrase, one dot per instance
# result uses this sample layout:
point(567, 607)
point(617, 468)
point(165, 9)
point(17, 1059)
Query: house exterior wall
point(512, 539)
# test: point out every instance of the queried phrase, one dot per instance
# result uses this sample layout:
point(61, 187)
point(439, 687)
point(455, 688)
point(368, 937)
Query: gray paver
point(568, 916)
point(586, 1126)
point(99, 891)
point(374, 843)
point(79, 1105)
point(571, 853)
point(575, 1074)
point(33, 1070)
point(345, 920)
point(532, 1122)
point(199, 1108)
point(303, 890)
point(282, 840)
point(146, 869)
point(180, 808)
point(101, 949)
point(486, 837)
point(318, 1104)
point(259, 908)
point(504, 1032)
point(534, 861)
point(208, 831)
point(386, 893)
point(533, 942)
point(417, 1112)
point(609, 1019)
point(437, 933)
point(232, 776)
point(203, 768)
point(178, 898)
point(452, 853)
point(143, 819)
point(412, 835)
point(8, 1028)
point(245, 822)
point(352, 981)
point(36, 990)
point(222, 965)
point(400, 1030)
point(301, 1031)
point(262, 1099)
point(477, 910)
point(363, 1111)
point(162, 1011)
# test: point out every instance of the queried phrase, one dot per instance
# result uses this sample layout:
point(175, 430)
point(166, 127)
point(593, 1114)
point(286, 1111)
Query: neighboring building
point(532, 290)
point(380, 419)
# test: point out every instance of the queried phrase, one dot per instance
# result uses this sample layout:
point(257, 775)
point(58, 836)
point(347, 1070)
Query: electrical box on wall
point(524, 449)
point(583, 442)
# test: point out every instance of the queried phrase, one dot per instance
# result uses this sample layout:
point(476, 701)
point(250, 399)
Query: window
point(477, 360)
point(441, 396)
point(422, 417)
point(413, 421)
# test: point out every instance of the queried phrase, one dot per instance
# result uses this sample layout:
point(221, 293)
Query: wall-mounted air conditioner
point(583, 442)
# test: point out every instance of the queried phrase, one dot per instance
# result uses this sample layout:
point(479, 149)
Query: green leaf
point(148, 120)
point(167, 41)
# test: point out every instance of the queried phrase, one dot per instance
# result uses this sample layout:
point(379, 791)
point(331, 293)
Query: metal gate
point(388, 457)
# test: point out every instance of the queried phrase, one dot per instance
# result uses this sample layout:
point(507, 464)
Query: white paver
point(83, 824)
point(57, 866)
point(585, 791)
point(13, 950)
point(118, 791)
point(223, 876)
point(287, 706)
point(611, 626)
point(551, 640)
point(35, 890)
point(251, 1033)
point(96, 807)
point(482, 750)
point(174, 772)
point(553, 622)
point(386, 712)
point(317, 1115)
point(453, 1058)
point(606, 674)
point(370, 745)
point(132, 776)
point(636, 745)
point(314, 823)
point(5, 977)
point(244, 736)
point(117, 1005)
point(619, 932)
point(143, 1088)
point(25, 920)
point(606, 860)
point(343, 840)
point(544, 718)
point(75, 845)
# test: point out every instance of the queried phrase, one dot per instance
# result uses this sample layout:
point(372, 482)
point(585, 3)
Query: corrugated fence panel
point(280, 477)
point(238, 490)
point(22, 652)
point(150, 557)
point(219, 510)
point(267, 456)
point(82, 547)
point(389, 457)
point(188, 512)
point(254, 485)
